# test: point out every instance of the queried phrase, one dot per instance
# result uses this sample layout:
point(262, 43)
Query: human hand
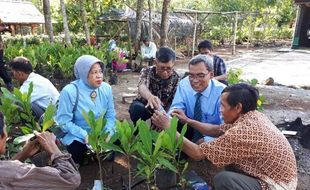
point(160, 120)
point(47, 142)
point(31, 148)
point(153, 102)
point(180, 115)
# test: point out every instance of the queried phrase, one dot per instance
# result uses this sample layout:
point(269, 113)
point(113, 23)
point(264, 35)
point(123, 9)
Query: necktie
point(197, 108)
point(197, 116)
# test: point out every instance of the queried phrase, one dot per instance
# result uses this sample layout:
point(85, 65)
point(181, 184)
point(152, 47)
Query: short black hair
point(145, 38)
point(1, 123)
point(21, 64)
point(206, 60)
point(206, 44)
point(242, 93)
point(165, 54)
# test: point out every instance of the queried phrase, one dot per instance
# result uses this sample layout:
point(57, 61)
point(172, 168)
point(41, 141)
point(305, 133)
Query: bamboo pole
point(235, 33)
point(194, 36)
point(130, 45)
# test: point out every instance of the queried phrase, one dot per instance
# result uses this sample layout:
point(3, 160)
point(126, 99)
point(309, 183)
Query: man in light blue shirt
point(198, 85)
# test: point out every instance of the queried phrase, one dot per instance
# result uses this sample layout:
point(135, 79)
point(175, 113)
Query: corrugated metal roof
point(22, 12)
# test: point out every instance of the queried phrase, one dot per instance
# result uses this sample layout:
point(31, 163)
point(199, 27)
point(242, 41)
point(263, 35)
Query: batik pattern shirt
point(164, 89)
point(255, 146)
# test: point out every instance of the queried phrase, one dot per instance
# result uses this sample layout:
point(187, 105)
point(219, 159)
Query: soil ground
point(282, 104)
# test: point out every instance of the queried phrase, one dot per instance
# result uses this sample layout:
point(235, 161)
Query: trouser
point(138, 111)
point(227, 180)
point(3, 72)
point(78, 151)
point(37, 111)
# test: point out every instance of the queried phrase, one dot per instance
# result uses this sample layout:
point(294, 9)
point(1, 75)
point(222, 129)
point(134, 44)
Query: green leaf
point(48, 120)
point(26, 130)
point(145, 136)
point(23, 138)
point(47, 125)
point(109, 146)
point(158, 143)
point(167, 164)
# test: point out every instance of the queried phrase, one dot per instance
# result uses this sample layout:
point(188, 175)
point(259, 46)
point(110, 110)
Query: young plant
point(97, 136)
point(125, 133)
point(149, 155)
point(48, 122)
point(234, 77)
point(9, 110)
point(172, 147)
point(23, 103)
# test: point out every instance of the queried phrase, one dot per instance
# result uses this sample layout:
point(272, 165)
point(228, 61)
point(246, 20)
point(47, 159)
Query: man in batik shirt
point(249, 150)
point(156, 87)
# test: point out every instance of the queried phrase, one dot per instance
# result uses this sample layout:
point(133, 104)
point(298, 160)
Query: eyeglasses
point(198, 76)
point(100, 72)
point(163, 69)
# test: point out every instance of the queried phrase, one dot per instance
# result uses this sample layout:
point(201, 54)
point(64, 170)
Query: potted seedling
point(41, 158)
point(172, 147)
point(23, 103)
point(125, 133)
point(97, 138)
point(149, 151)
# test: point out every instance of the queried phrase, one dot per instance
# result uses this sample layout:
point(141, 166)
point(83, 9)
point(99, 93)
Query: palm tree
point(138, 22)
point(65, 22)
point(48, 19)
point(164, 23)
point(84, 20)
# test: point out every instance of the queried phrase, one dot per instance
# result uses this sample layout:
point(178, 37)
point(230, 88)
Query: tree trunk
point(84, 20)
point(150, 20)
point(164, 23)
point(138, 22)
point(95, 9)
point(48, 20)
point(65, 22)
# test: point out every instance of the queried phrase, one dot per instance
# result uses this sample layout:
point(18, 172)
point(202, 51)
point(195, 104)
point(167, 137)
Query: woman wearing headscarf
point(89, 93)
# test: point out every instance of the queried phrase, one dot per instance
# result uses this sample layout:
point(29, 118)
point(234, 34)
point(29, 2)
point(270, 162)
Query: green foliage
point(234, 77)
point(21, 104)
point(125, 133)
point(50, 59)
point(48, 120)
point(172, 150)
point(149, 155)
point(97, 136)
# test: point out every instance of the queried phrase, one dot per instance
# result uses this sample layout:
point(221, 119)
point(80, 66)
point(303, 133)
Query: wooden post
point(175, 42)
point(252, 28)
point(235, 33)
point(194, 36)
point(130, 45)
